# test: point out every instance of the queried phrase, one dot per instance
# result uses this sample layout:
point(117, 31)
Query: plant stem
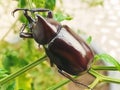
point(21, 71)
point(104, 68)
point(96, 81)
point(101, 78)
point(60, 84)
point(94, 73)
point(109, 79)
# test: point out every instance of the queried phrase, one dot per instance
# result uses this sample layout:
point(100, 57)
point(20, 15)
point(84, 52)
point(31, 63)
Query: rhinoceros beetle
point(65, 49)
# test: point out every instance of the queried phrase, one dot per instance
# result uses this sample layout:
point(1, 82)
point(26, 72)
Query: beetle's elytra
point(66, 49)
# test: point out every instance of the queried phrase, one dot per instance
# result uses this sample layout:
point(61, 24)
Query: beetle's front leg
point(25, 34)
point(30, 20)
point(72, 79)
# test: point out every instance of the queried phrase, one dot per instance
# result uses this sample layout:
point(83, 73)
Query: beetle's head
point(43, 30)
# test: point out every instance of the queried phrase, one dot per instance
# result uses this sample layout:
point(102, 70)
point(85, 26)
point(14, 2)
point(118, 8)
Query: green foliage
point(50, 4)
point(107, 58)
point(24, 82)
point(11, 86)
point(89, 39)
point(10, 59)
point(38, 3)
point(59, 16)
point(22, 3)
point(3, 73)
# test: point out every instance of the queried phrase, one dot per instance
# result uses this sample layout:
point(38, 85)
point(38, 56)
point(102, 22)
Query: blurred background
point(96, 18)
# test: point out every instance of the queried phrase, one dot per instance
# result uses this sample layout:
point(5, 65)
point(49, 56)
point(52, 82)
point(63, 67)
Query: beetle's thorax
point(44, 30)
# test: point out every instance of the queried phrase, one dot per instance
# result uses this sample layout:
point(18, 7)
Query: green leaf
point(22, 3)
point(24, 81)
point(109, 59)
point(10, 59)
point(50, 4)
point(23, 19)
point(3, 73)
point(59, 16)
point(11, 86)
point(89, 39)
point(39, 3)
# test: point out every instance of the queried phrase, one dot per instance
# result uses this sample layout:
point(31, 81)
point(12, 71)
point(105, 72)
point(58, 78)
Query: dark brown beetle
point(66, 49)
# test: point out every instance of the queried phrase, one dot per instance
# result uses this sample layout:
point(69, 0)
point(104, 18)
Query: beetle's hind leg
point(72, 79)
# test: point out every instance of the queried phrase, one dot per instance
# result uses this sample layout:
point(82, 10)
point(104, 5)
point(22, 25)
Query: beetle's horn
point(18, 10)
point(31, 10)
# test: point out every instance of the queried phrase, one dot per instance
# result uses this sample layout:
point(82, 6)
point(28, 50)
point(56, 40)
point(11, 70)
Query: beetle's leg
point(30, 20)
point(25, 34)
point(72, 79)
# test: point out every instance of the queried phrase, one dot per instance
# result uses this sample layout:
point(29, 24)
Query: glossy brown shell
point(69, 52)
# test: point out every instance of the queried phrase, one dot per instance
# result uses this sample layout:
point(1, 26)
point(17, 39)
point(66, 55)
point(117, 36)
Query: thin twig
point(112, 68)
point(21, 71)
